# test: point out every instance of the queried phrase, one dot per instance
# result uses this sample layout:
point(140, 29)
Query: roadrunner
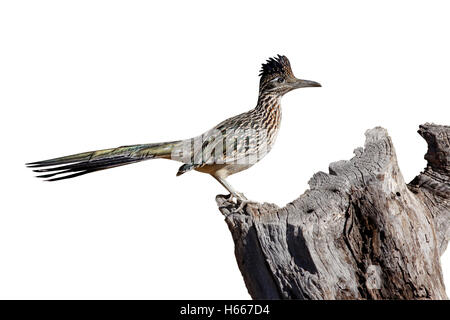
point(230, 147)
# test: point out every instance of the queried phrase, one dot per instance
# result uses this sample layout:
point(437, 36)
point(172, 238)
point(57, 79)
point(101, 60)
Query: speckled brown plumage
point(232, 146)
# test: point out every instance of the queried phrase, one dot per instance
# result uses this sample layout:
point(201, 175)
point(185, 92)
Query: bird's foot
point(243, 203)
point(229, 197)
point(238, 196)
point(239, 199)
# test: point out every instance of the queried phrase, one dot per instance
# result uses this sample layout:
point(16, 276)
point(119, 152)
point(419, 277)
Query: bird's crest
point(275, 67)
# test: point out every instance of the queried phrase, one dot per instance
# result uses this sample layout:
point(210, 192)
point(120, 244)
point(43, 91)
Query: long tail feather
point(83, 163)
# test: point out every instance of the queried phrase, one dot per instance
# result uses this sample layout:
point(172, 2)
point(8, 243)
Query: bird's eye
point(280, 80)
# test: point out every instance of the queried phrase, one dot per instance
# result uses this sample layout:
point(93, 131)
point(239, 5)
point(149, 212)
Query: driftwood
point(359, 232)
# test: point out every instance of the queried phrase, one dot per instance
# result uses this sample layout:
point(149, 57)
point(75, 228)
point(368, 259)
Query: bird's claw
point(240, 200)
point(242, 204)
point(238, 196)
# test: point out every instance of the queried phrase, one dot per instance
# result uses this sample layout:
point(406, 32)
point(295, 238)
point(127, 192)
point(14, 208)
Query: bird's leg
point(233, 193)
point(240, 198)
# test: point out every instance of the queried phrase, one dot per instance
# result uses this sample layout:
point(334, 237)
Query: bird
point(233, 145)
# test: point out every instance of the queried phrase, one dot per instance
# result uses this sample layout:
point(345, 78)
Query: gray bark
point(359, 232)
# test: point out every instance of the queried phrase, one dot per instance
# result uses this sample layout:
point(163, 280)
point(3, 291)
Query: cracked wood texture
point(359, 232)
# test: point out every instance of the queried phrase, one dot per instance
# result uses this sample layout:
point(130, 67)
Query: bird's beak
point(299, 83)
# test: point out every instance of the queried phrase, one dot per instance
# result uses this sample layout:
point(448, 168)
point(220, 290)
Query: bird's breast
point(271, 123)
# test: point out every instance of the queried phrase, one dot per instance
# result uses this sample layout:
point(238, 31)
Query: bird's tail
point(82, 163)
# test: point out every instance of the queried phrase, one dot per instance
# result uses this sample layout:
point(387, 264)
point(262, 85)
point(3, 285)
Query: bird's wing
point(231, 141)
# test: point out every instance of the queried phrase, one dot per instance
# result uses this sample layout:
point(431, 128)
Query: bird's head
point(277, 77)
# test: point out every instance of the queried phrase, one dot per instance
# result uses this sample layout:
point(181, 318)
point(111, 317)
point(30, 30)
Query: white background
point(83, 75)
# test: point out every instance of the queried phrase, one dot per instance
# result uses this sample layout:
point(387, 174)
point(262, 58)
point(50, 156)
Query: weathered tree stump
point(359, 232)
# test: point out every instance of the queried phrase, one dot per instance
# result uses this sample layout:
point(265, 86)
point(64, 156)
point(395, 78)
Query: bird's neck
point(268, 101)
point(268, 110)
